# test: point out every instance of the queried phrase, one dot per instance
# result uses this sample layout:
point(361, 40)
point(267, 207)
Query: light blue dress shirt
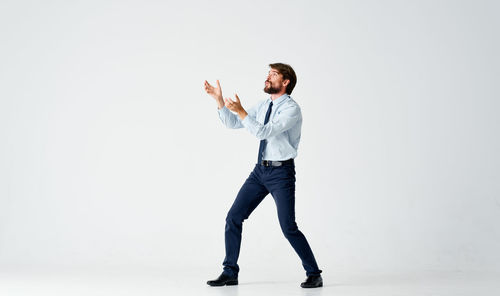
point(282, 132)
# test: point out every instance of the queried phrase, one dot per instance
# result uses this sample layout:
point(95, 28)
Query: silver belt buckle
point(276, 163)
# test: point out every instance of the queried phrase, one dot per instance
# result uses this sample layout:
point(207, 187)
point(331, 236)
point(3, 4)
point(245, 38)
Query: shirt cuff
point(223, 112)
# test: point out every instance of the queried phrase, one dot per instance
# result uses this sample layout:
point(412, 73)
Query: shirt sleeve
point(228, 118)
point(282, 121)
point(231, 120)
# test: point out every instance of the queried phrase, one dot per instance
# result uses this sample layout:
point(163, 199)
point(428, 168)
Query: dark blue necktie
point(262, 145)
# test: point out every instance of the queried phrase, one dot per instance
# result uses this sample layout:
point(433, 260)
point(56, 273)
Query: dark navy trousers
point(280, 182)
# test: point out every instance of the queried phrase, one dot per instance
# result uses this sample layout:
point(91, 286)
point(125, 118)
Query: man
point(276, 122)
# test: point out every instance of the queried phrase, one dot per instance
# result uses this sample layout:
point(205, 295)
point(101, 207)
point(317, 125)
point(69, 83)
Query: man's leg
point(249, 197)
point(282, 187)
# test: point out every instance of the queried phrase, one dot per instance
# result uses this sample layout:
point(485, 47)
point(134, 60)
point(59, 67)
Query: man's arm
point(281, 122)
point(229, 119)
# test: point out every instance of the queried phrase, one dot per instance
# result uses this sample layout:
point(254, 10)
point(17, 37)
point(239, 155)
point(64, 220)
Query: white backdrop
point(112, 155)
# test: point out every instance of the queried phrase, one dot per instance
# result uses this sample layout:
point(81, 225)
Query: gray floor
point(162, 282)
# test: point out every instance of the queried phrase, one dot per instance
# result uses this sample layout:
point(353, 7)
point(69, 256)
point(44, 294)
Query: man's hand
point(235, 106)
point(215, 92)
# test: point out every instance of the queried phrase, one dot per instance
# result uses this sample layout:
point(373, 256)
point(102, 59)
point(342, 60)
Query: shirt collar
point(280, 99)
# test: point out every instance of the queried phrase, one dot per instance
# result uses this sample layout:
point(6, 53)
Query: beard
point(270, 89)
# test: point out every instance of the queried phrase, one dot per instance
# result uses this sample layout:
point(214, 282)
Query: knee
point(233, 219)
point(289, 229)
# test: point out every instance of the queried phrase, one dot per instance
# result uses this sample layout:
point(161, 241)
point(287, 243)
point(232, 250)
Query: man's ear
point(286, 82)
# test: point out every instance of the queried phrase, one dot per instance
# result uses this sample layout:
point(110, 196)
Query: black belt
point(268, 163)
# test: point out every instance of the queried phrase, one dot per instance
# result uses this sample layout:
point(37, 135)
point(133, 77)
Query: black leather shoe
point(223, 280)
point(313, 281)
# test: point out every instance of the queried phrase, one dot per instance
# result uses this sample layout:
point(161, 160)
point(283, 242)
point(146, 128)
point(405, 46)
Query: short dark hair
point(288, 73)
